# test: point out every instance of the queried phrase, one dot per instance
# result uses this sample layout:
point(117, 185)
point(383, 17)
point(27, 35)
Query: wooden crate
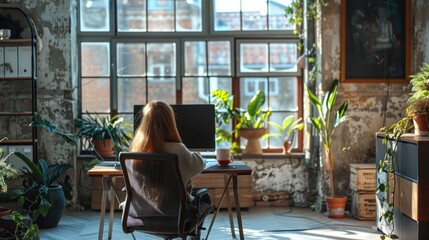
point(364, 205)
point(363, 177)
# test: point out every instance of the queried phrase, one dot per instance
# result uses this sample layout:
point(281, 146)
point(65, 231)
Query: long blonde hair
point(157, 126)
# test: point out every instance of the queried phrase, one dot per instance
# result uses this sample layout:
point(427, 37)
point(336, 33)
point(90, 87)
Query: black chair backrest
point(156, 200)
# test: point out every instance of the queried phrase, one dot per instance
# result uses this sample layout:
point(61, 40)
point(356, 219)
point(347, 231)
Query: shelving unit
point(411, 211)
point(18, 87)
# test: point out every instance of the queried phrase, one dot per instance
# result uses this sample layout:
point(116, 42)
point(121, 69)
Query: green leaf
point(316, 123)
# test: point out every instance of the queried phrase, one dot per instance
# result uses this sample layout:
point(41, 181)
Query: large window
point(180, 51)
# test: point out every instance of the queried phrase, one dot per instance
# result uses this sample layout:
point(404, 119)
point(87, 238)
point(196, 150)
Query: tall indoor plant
point(326, 123)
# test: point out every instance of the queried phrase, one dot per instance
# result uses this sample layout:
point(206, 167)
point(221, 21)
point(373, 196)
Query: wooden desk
point(230, 172)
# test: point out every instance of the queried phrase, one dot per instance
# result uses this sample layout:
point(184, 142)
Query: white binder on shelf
point(11, 57)
point(24, 61)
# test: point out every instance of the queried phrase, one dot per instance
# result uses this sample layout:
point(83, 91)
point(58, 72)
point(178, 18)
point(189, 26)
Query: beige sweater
point(190, 163)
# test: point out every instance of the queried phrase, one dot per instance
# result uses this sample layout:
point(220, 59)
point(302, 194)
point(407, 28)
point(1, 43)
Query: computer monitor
point(195, 122)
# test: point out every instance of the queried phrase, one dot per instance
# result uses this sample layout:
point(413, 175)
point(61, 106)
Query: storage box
point(363, 177)
point(364, 205)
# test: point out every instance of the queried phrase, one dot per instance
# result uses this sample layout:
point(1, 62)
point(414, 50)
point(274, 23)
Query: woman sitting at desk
point(158, 132)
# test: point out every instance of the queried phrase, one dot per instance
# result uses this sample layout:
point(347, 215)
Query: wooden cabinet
point(411, 198)
point(215, 184)
point(17, 82)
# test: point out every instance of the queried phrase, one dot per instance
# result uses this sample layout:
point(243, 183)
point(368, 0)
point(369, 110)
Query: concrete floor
point(262, 223)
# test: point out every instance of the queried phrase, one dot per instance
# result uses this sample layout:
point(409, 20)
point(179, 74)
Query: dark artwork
point(375, 39)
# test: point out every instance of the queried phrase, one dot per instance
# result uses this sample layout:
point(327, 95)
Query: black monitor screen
point(195, 122)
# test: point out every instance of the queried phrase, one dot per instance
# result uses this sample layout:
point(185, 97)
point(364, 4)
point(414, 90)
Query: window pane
point(195, 58)
point(94, 16)
point(248, 88)
point(188, 17)
point(161, 16)
point(195, 90)
point(224, 83)
point(283, 57)
point(253, 57)
point(162, 89)
point(95, 59)
point(219, 58)
point(131, 59)
point(96, 95)
point(277, 19)
point(283, 94)
point(254, 14)
point(131, 16)
point(131, 91)
point(161, 59)
point(226, 15)
point(199, 89)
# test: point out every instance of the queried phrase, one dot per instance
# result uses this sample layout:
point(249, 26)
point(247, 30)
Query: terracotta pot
point(287, 147)
point(421, 124)
point(104, 148)
point(252, 135)
point(336, 206)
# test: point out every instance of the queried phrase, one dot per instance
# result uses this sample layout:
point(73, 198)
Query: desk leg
point(104, 185)
point(218, 208)
point(227, 180)
point(112, 206)
point(237, 206)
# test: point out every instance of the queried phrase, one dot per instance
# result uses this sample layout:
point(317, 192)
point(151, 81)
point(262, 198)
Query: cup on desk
point(224, 156)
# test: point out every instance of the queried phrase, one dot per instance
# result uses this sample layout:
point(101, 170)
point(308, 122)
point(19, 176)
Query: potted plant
point(7, 171)
point(288, 128)
point(41, 197)
point(43, 192)
point(325, 123)
point(107, 135)
point(13, 223)
point(251, 122)
point(418, 102)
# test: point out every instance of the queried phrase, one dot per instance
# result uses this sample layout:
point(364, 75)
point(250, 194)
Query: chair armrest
point(199, 192)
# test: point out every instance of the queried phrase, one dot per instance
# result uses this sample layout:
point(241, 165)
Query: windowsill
point(264, 155)
point(213, 155)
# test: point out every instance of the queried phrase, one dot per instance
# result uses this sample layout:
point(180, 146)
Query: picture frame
point(375, 44)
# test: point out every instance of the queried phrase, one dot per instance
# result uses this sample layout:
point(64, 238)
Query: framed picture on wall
point(375, 44)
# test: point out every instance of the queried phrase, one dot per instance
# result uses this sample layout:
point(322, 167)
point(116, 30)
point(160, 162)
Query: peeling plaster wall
point(281, 175)
point(56, 91)
point(371, 105)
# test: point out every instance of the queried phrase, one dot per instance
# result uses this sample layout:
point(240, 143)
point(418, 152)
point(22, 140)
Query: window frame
point(207, 34)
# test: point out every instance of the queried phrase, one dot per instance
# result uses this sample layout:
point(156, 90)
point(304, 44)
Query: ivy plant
point(386, 189)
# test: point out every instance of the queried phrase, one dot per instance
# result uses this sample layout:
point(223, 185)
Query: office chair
point(164, 210)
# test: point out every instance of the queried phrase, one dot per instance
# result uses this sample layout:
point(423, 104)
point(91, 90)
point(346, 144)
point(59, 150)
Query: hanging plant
point(386, 189)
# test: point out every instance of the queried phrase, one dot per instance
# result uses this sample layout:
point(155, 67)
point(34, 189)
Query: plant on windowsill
point(288, 129)
point(106, 135)
point(251, 122)
point(326, 123)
